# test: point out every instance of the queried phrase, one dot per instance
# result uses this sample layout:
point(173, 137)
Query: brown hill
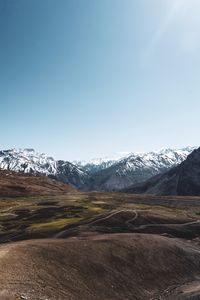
point(18, 184)
point(115, 266)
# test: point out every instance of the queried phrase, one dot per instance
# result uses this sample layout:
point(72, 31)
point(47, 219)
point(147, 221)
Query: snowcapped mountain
point(157, 161)
point(71, 174)
point(182, 180)
point(137, 168)
point(30, 161)
point(27, 161)
point(109, 174)
point(97, 164)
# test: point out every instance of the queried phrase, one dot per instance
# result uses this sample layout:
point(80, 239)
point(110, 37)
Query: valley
point(83, 213)
point(99, 157)
point(99, 246)
point(58, 242)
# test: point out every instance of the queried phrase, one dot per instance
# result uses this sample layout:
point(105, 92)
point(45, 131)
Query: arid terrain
point(100, 156)
point(116, 266)
point(20, 184)
point(100, 246)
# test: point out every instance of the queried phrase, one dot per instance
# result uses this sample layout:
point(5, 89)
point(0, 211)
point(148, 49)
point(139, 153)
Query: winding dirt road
point(107, 217)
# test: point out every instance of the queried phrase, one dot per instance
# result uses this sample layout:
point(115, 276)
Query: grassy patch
point(49, 214)
point(51, 225)
point(96, 209)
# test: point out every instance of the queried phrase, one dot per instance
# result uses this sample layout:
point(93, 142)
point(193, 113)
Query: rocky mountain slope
point(182, 180)
point(30, 161)
point(27, 161)
point(101, 174)
point(137, 168)
point(68, 173)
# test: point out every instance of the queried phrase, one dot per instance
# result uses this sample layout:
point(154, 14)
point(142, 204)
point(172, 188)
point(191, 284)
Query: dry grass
point(55, 224)
point(27, 215)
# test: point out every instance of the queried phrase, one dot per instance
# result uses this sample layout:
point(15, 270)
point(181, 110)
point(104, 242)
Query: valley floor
point(83, 246)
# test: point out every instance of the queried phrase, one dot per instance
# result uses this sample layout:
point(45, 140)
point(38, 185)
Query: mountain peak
point(181, 180)
point(106, 174)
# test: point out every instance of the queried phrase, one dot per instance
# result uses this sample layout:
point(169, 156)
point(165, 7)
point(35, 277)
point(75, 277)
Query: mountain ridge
point(137, 168)
point(101, 174)
point(31, 161)
point(182, 180)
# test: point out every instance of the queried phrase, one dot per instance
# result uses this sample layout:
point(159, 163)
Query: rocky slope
point(100, 174)
point(182, 180)
point(71, 174)
point(137, 168)
point(112, 267)
point(30, 161)
point(27, 161)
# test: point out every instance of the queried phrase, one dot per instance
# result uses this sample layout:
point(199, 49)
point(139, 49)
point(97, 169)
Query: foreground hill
point(115, 266)
point(182, 180)
point(100, 246)
point(19, 184)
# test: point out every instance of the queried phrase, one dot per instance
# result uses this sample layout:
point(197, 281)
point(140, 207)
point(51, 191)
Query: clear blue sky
point(87, 78)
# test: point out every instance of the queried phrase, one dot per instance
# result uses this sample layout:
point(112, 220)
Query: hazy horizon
point(88, 79)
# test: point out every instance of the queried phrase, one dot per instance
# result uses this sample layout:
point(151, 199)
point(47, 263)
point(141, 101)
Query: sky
point(91, 78)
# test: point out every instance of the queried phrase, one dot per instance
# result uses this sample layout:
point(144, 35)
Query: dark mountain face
point(71, 174)
point(31, 162)
point(113, 175)
point(117, 177)
point(136, 168)
point(183, 180)
point(189, 175)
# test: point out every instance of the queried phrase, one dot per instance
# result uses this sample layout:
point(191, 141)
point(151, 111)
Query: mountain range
point(100, 174)
point(136, 168)
point(182, 180)
point(30, 161)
